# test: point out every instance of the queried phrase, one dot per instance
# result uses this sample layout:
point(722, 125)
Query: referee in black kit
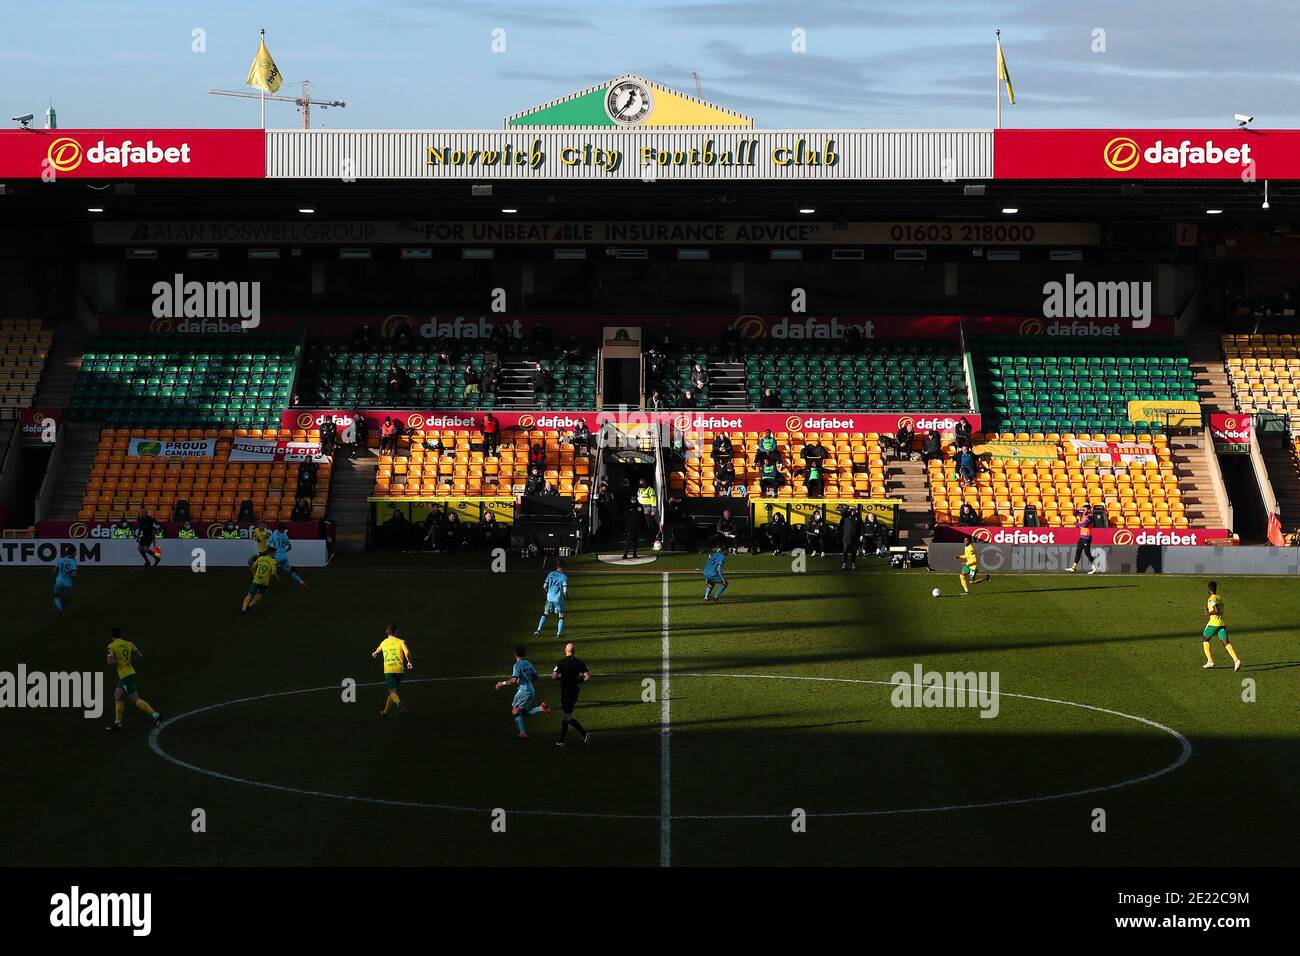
point(572, 672)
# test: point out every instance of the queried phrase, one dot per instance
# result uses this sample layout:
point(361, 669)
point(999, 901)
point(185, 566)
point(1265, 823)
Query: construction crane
point(699, 87)
point(304, 102)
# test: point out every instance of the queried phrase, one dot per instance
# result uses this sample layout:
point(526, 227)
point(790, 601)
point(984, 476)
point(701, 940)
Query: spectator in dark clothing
point(453, 535)
point(633, 518)
point(932, 447)
point(850, 535)
point(730, 342)
point(726, 532)
point(536, 482)
point(537, 457)
point(853, 340)
point(541, 379)
point(471, 378)
point(500, 337)
point(606, 508)
point(813, 453)
point(490, 429)
point(968, 516)
point(181, 510)
point(872, 534)
point(573, 351)
point(724, 476)
point(329, 433)
point(962, 431)
point(699, 377)
point(721, 447)
point(361, 429)
point(768, 399)
point(301, 510)
point(399, 380)
point(656, 401)
point(816, 532)
point(903, 443)
point(582, 437)
point(967, 466)
point(488, 380)
point(778, 533)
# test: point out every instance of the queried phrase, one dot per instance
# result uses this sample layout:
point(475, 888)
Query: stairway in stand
point(62, 365)
point(81, 441)
point(728, 385)
point(908, 481)
point(1205, 353)
point(1193, 470)
point(515, 386)
point(1280, 462)
point(352, 483)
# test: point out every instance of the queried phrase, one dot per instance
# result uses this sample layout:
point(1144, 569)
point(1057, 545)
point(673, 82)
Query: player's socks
point(559, 628)
point(1205, 646)
point(541, 623)
point(145, 706)
point(708, 591)
point(118, 709)
point(719, 592)
point(1232, 653)
point(564, 730)
point(519, 722)
point(256, 598)
point(964, 585)
point(58, 604)
point(577, 727)
point(297, 579)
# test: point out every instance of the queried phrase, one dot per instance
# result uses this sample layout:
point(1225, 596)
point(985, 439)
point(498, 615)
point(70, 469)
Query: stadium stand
point(855, 466)
point(336, 375)
point(24, 347)
point(1264, 371)
point(120, 486)
point(1048, 385)
point(446, 463)
point(1135, 495)
point(880, 376)
point(170, 381)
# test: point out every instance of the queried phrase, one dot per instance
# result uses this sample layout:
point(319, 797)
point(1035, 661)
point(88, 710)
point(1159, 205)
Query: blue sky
point(430, 63)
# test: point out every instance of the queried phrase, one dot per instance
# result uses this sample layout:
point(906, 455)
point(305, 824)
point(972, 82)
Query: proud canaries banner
point(157, 448)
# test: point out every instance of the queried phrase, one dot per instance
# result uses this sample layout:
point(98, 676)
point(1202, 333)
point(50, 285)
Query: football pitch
point(762, 730)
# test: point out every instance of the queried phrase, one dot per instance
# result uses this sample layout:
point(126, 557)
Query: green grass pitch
point(270, 736)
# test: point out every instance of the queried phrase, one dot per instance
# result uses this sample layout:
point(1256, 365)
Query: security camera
point(1242, 119)
point(24, 119)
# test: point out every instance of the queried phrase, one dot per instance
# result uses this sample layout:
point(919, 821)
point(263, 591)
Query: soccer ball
point(935, 592)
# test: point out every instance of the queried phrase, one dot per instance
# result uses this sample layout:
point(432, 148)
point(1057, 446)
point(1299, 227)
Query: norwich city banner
point(799, 511)
point(268, 450)
point(1175, 414)
point(470, 510)
point(1018, 450)
point(157, 448)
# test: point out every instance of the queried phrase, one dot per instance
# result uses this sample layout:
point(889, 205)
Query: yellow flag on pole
point(264, 74)
point(1003, 75)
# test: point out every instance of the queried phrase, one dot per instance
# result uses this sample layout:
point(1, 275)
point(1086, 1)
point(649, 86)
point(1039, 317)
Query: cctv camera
point(1242, 119)
point(25, 118)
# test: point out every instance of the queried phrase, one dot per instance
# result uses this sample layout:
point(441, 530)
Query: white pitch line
point(665, 750)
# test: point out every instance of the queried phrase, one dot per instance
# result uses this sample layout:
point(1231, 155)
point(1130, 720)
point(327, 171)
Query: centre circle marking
point(1183, 757)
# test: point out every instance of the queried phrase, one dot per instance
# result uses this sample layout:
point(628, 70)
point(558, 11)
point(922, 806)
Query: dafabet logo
point(1121, 154)
point(64, 154)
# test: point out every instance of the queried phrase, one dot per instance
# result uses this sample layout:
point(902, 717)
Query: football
point(935, 592)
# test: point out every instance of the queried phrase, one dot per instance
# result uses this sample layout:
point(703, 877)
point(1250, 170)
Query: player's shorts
point(283, 564)
point(568, 700)
point(393, 680)
point(971, 571)
point(62, 587)
point(712, 579)
point(554, 607)
point(255, 589)
point(127, 684)
point(523, 698)
point(1216, 630)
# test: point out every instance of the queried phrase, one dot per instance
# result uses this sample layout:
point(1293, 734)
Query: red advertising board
point(1231, 433)
point(100, 530)
point(1146, 154)
point(133, 154)
point(780, 328)
point(698, 421)
point(32, 424)
point(1100, 536)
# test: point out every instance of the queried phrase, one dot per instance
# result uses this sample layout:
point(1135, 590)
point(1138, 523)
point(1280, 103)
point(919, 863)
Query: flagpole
point(997, 80)
point(263, 91)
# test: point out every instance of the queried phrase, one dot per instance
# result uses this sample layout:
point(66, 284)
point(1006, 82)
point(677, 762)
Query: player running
point(65, 575)
point(263, 571)
point(123, 655)
point(523, 675)
point(1214, 628)
point(397, 658)
point(556, 587)
point(262, 534)
point(969, 573)
point(572, 672)
point(714, 576)
point(280, 543)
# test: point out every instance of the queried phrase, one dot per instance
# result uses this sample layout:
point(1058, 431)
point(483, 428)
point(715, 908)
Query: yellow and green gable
point(628, 102)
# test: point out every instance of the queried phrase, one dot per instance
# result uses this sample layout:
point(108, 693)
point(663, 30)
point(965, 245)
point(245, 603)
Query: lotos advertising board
point(1171, 537)
point(701, 421)
point(1231, 433)
point(53, 154)
point(1240, 154)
